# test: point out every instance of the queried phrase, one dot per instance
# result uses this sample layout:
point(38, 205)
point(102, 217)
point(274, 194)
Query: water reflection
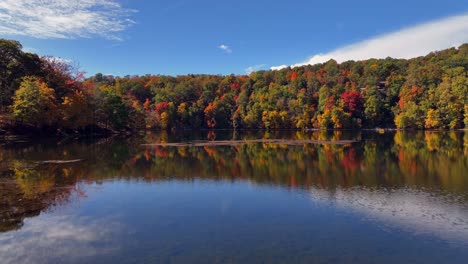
point(415, 181)
point(433, 160)
point(71, 238)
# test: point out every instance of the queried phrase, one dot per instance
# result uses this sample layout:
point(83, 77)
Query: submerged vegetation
point(47, 94)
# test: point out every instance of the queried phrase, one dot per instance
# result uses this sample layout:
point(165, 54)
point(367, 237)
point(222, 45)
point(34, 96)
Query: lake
point(236, 197)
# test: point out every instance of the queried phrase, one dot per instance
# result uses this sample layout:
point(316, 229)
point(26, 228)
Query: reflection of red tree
point(147, 155)
point(293, 181)
point(210, 151)
point(211, 135)
point(401, 155)
point(407, 162)
point(350, 160)
point(161, 152)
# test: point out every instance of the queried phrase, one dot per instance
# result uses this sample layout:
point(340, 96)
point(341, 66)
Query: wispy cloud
point(61, 60)
point(225, 48)
point(406, 43)
point(64, 19)
point(30, 50)
point(251, 69)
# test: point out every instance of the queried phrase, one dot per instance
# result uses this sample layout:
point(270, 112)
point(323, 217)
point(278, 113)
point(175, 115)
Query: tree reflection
point(430, 160)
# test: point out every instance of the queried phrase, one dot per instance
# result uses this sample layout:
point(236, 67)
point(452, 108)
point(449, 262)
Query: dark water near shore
point(226, 197)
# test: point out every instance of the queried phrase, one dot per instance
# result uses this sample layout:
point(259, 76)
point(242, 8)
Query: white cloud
point(406, 43)
point(225, 48)
point(276, 68)
point(63, 19)
point(251, 69)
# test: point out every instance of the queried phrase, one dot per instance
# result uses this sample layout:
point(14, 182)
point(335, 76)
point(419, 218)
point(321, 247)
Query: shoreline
point(13, 134)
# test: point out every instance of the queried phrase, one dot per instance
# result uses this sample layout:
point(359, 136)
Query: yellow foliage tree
point(34, 103)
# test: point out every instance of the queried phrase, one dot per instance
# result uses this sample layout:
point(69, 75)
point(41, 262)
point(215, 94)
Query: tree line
point(429, 92)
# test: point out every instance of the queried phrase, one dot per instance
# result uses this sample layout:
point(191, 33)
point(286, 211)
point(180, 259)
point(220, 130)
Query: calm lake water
point(226, 197)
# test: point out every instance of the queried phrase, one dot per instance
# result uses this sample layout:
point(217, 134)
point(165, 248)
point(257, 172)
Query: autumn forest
point(48, 94)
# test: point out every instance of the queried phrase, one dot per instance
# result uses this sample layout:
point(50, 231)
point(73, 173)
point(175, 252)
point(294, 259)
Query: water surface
point(230, 197)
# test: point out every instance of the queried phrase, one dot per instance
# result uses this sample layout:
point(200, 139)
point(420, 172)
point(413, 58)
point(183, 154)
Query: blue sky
point(122, 37)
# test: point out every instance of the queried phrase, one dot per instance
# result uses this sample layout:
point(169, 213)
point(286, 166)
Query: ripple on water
point(415, 210)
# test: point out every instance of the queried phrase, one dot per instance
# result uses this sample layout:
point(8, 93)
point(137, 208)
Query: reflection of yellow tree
point(432, 141)
point(465, 142)
point(440, 162)
point(33, 182)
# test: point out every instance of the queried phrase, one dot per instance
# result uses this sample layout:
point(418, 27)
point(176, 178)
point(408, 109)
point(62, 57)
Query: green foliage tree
point(111, 111)
point(373, 108)
point(14, 65)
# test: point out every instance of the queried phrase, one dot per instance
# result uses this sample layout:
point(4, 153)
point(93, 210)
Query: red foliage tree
point(294, 76)
point(354, 103)
point(161, 107)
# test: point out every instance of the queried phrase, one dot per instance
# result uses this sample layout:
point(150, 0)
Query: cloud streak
point(251, 69)
point(64, 19)
point(406, 43)
point(225, 48)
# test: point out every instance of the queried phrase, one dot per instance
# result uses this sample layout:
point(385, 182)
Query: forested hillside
point(429, 92)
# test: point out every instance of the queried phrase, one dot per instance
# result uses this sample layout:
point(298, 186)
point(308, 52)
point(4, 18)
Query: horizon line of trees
point(429, 92)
